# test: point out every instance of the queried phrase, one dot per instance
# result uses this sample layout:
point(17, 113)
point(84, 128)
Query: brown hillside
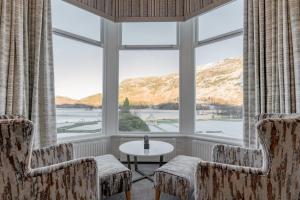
point(220, 83)
point(59, 100)
point(93, 100)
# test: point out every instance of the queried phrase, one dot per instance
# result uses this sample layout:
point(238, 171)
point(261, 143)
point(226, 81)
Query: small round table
point(136, 148)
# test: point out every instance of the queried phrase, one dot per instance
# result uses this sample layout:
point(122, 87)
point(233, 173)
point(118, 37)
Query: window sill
point(63, 138)
point(203, 137)
point(217, 139)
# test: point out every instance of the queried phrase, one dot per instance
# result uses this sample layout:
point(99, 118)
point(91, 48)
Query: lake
point(74, 121)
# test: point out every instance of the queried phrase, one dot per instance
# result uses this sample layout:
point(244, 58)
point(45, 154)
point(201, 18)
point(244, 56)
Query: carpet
point(144, 189)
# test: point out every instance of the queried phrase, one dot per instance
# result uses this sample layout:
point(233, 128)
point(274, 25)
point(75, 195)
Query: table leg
point(144, 176)
point(128, 162)
point(135, 163)
point(161, 160)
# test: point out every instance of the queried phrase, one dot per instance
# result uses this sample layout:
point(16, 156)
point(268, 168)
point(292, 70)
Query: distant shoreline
point(77, 106)
point(165, 106)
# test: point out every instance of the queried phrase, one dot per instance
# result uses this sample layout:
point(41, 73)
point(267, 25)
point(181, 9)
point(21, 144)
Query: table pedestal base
point(143, 175)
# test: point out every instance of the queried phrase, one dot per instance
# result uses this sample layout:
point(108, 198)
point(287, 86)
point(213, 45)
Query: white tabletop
point(136, 148)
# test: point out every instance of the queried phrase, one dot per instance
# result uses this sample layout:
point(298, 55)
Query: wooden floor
point(143, 190)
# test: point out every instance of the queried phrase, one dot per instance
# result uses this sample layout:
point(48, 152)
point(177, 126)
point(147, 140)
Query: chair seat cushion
point(177, 176)
point(114, 177)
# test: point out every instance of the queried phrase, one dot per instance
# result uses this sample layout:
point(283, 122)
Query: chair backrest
point(11, 117)
point(276, 116)
point(280, 139)
point(273, 116)
point(15, 147)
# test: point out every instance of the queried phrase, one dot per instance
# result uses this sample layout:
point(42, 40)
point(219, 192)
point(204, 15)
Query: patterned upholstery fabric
point(52, 155)
point(232, 155)
point(273, 116)
point(277, 178)
point(177, 176)
point(236, 154)
point(11, 116)
point(114, 177)
point(276, 115)
point(73, 179)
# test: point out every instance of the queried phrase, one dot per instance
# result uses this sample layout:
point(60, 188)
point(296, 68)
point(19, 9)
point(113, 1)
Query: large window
point(148, 70)
point(219, 71)
point(149, 78)
point(78, 70)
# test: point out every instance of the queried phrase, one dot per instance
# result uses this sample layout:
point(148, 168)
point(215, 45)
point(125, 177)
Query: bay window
point(150, 72)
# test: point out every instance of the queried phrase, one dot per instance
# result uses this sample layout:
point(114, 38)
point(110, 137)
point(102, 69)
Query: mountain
point(93, 100)
point(219, 83)
point(150, 90)
point(60, 100)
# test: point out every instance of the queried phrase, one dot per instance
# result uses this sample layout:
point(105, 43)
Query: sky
point(78, 66)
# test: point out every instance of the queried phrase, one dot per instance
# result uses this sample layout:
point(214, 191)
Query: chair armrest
point(234, 155)
point(221, 181)
point(75, 179)
point(52, 155)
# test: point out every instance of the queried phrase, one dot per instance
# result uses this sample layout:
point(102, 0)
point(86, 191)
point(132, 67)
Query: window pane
point(149, 33)
point(221, 20)
point(78, 87)
point(219, 95)
point(149, 91)
point(75, 20)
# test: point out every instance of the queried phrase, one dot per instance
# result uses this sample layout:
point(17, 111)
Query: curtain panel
point(271, 61)
point(26, 65)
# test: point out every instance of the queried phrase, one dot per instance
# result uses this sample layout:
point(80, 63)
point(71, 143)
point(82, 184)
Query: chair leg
point(128, 195)
point(157, 194)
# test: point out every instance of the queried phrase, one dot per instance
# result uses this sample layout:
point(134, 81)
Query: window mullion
point(111, 64)
point(187, 78)
point(76, 37)
point(221, 37)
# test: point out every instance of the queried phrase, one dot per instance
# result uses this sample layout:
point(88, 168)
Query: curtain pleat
point(271, 61)
point(26, 65)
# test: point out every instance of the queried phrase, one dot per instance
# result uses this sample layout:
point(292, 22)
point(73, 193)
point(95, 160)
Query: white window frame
point(175, 47)
point(85, 40)
point(148, 47)
point(211, 40)
point(80, 38)
point(221, 37)
point(217, 38)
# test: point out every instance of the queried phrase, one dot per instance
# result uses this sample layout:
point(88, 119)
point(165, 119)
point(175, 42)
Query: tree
point(126, 105)
point(130, 122)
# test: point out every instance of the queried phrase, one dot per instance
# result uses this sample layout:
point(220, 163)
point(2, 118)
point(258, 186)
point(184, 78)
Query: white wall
point(184, 145)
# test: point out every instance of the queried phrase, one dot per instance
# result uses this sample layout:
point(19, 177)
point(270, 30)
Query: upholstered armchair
point(49, 173)
point(272, 173)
